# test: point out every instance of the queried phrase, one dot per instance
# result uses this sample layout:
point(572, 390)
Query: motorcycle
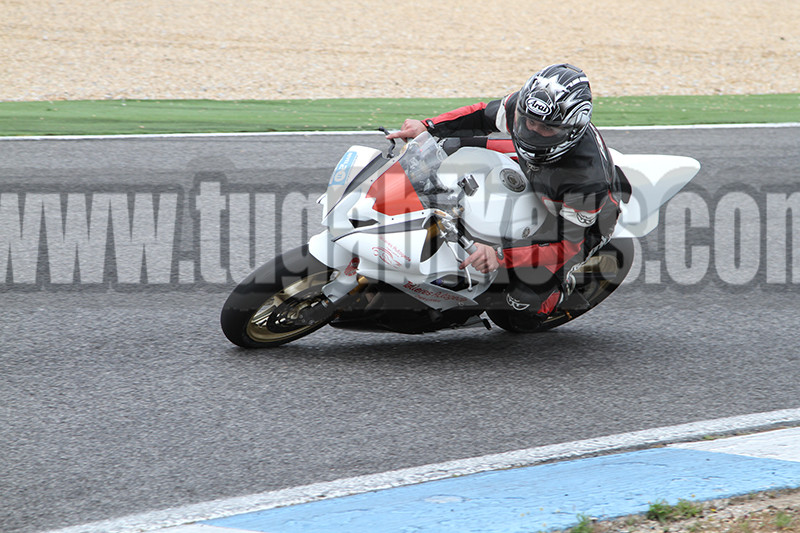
point(397, 227)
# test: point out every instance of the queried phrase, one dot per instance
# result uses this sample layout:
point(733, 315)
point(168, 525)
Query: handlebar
point(393, 143)
point(451, 233)
point(468, 245)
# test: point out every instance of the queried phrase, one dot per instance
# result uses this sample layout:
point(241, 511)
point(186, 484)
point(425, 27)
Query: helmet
point(553, 110)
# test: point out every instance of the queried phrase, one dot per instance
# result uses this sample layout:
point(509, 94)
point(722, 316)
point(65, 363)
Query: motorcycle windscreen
point(353, 163)
point(394, 194)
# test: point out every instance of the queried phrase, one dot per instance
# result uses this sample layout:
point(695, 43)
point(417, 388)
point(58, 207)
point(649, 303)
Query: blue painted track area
point(536, 498)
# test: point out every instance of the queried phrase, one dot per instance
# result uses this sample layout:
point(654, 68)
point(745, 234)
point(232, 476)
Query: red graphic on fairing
point(352, 268)
point(386, 256)
point(394, 194)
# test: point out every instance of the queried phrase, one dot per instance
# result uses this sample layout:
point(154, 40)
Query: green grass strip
point(676, 110)
point(99, 117)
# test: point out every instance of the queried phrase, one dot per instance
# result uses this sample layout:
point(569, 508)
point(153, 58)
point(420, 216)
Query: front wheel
point(595, 281)
point(278, 303)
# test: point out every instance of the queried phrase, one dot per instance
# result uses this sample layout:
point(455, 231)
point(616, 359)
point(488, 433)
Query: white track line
point(369, 132)
point(783, 445)
point(706, 126)
point(409, 476)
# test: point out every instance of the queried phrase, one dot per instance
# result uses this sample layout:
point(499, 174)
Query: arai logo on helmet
point(538, 106)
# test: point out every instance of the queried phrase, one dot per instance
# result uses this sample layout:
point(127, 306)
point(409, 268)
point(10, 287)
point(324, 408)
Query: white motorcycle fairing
point(380, 219)
point(393, 220)
point(654, 180)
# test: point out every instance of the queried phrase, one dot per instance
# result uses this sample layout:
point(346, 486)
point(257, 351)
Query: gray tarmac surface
point(119, 398)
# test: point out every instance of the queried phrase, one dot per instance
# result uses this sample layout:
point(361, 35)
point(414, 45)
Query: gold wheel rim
point(258, 327)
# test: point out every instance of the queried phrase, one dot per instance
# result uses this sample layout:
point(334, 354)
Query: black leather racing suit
point(581, 190)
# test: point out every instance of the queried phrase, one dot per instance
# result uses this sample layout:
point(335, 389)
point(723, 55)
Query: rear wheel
point(278, 303)
point(595, 281)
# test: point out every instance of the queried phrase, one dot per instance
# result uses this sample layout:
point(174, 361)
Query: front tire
point(596, 280)
point(278, 303)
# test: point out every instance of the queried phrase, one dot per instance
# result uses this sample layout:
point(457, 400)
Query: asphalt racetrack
point(120, 395)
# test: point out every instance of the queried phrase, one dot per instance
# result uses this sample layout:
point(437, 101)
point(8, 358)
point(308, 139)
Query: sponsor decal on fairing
point(342, 170)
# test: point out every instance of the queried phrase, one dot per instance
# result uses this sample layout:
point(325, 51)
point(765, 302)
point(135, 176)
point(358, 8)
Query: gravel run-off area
point(281, 49)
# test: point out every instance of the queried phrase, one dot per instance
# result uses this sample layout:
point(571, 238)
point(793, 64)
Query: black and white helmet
point(553, 110)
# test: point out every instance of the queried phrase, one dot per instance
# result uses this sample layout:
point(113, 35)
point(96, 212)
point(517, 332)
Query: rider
point(570, 168)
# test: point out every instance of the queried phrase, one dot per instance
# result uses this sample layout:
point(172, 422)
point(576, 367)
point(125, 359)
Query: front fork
point(345, 283)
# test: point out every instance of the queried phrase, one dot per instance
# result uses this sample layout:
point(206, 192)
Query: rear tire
point(271, 306)
point(596, 280)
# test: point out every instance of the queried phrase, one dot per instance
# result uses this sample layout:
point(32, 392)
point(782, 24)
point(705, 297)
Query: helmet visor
point(534, 134)
point(537, 134)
